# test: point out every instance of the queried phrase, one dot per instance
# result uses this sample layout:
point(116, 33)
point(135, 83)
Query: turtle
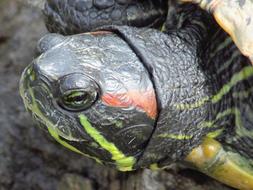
point(138, 97)
point(235, 16)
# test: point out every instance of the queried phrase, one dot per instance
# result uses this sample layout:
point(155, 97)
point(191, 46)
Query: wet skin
point(136, 98)
point(82, 77)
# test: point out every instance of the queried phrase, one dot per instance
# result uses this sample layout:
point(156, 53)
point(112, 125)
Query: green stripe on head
point(124, 163)
point(54, 134)
point(52, 129)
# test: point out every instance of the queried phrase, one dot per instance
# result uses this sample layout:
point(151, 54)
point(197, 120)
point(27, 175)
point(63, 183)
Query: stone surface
point(74, 182)
point(29, 158)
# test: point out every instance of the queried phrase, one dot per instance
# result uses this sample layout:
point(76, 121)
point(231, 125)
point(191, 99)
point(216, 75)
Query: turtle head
point(89, 91)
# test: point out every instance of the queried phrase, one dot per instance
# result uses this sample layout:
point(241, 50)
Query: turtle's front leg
point(227, 167)
point(236, 18)
point(77, 16)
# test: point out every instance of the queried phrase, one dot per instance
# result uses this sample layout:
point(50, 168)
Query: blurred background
point(29, 158)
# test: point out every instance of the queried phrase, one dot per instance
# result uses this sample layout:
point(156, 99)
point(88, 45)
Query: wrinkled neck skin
point(202, 84)
point(184, 87)
point(174, 67)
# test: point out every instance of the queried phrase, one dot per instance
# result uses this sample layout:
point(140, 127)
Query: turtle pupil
point(79, 98)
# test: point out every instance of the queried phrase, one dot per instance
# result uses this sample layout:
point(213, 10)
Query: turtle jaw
point(48, 119)
point(39, 102)
point(25, 90)
point(33, 106)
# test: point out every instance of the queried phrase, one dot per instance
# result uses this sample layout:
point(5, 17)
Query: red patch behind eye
point(145, 101)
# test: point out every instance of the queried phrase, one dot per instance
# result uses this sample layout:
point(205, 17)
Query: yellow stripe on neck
point(124, 163)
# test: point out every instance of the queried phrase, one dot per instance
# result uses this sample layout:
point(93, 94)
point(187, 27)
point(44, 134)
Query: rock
point(34, 3)
point(74, 182)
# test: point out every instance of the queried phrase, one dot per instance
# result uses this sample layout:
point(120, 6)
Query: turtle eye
point(77, 92)
point(78, 100)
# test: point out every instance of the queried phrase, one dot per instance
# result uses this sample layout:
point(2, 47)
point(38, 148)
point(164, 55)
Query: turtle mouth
point(27, 91)
point(39, 102)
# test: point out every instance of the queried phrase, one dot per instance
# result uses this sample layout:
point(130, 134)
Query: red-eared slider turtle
point(138, 97)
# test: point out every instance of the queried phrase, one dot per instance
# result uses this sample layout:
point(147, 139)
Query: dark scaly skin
point(43, 86)
point(110, 60)
point(180, 54)
point(76, 16)
point(238, 102)
point(173, 62)
point(61, 16)
point(198, 95)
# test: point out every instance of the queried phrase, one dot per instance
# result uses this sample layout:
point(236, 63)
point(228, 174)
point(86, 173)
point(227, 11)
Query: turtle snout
point(24, 85)
point(33, 94)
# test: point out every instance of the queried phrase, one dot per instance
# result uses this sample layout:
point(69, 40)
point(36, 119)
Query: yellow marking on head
point(54, 134)
point(31, 73)
point(124, 163)
point(52, 129)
